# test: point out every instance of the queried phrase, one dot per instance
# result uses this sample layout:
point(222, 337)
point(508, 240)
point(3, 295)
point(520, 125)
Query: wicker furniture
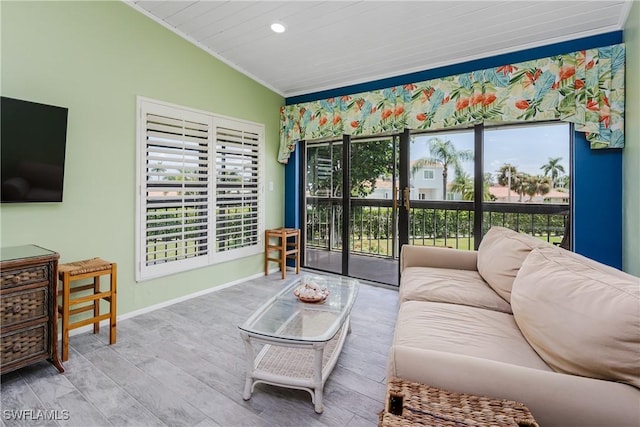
point(88, 299)
point(287, 246)
point(28, 332)
point(411, 403)
point(300, 341)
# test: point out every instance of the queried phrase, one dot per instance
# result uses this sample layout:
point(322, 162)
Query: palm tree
point(487, 182)
point(508, 176)
point(553, 168)
point(504, 173)
point(536, 185)
point(519, 184)
point(463, 184)
point(444, 152)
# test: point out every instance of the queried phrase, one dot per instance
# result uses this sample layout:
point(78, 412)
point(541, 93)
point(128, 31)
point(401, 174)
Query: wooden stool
point(91, 268)
point(288, 247)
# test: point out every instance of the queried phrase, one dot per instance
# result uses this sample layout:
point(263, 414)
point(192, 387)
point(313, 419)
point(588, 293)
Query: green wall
point(631, 151)
point(95, 58)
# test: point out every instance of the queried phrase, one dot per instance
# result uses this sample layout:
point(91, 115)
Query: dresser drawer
point(24, 276)
point(24, 344)
point(23, 305)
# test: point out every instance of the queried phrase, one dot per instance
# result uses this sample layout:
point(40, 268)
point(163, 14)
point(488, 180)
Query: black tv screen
point(32, 144)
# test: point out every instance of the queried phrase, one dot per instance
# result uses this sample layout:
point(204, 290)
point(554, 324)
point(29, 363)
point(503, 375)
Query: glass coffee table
point(299, 342)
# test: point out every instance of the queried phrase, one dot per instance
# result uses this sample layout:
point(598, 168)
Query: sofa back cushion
point(581, 317)
point(459, 287)
point(500, 255)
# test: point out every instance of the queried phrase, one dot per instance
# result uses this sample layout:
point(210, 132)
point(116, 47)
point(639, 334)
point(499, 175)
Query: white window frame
point(430, 172)
point(248, 154)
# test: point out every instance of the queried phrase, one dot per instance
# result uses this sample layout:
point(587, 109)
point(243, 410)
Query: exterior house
point(503, 194)
point(427, 181)
point(426, 184)
point(383, 189)
point(555, 196)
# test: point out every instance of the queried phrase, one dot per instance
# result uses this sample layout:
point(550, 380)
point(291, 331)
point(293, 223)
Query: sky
point(525, 147)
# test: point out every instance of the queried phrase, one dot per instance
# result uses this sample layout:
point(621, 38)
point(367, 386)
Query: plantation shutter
point(199, 189)
point(238, 184)
point(176, 188)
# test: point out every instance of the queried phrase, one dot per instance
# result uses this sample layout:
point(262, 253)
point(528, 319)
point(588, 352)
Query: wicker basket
point(430, 406)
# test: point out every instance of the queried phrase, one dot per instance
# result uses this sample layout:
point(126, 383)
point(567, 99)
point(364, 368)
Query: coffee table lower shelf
point(292, 364)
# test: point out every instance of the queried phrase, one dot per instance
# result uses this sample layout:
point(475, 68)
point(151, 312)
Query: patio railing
point(433, 223)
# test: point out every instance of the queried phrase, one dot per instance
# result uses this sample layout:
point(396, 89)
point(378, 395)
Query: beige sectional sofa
point(524, 320)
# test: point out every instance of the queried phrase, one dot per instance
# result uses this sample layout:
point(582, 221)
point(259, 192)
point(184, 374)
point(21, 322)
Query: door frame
point(346, 203)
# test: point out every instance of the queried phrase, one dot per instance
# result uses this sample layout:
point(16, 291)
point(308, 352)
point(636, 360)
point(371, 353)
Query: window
point(446, 158)
point(200, 179)
point(528, 163)
point(524, 171)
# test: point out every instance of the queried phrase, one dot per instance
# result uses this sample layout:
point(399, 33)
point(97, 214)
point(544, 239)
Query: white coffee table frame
point(302, 363)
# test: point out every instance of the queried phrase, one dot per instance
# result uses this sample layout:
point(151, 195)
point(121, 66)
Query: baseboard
point(105, 323)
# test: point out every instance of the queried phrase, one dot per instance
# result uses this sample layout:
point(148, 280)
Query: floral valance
point(584, 87)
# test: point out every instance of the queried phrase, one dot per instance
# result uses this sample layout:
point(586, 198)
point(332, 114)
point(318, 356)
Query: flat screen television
point(33, 139)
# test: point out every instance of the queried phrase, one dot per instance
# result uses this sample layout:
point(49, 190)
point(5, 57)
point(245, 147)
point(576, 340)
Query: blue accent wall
point(292, 202)
point(597, 202)
point(597, 195)
point(293, 180)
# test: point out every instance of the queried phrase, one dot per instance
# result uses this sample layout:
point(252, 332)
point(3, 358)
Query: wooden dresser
point(28, 303)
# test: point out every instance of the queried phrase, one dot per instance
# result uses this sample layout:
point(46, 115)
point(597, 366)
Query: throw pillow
point(581, 317)
point(500, 255)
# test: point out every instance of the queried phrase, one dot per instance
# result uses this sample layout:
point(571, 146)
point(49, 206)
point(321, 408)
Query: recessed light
point(278, 27)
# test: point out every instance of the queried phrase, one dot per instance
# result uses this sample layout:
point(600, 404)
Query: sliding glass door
point(323, 214)
point(373, 226)
point(351, 211)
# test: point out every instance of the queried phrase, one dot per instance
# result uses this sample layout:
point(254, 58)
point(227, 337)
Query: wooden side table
point(287, 246)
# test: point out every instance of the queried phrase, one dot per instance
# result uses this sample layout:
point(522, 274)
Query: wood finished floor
point(184, 365)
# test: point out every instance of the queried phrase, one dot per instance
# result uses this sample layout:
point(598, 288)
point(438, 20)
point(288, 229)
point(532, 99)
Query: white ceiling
point(330, 44)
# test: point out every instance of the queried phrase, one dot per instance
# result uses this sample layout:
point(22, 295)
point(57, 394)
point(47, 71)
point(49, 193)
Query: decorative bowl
point(311, 290)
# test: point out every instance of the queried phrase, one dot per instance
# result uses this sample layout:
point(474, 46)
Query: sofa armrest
point(432, 256)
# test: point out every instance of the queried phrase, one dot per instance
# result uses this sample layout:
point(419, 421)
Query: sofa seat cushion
point(582, 317)
point(464, 330)
point(450, 286)
point(500, 255)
